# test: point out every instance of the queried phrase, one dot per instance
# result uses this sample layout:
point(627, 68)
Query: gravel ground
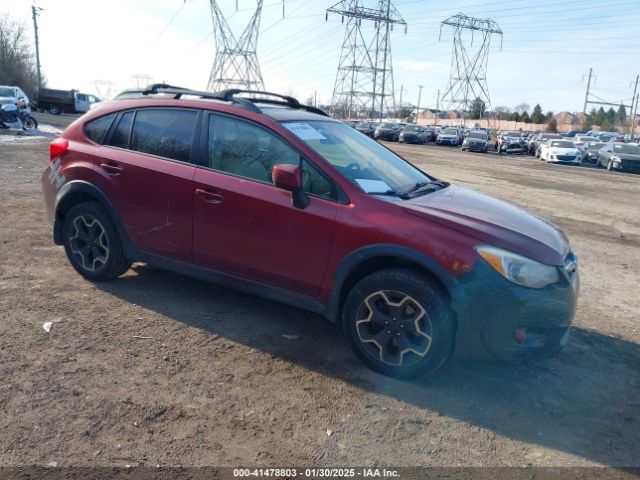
point(158, 369)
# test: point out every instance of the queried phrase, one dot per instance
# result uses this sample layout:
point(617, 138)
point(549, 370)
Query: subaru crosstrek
point(263, 194)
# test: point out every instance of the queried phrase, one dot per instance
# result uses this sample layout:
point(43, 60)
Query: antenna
point(364, 82)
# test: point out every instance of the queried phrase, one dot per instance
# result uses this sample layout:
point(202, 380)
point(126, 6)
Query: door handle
point(111, 169)
point(208, 196)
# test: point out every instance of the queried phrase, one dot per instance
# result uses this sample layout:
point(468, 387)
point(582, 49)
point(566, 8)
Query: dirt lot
point(157, 369)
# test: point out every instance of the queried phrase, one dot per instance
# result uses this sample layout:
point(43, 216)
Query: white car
point(450, 136)
point(581, 141)
point(560, 151)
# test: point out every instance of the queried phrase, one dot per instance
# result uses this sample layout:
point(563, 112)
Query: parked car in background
point(449, 136)
point(573, 133)
point(64, 101)
point(606, 136)
point(387, 131)
point(512, 143)
point(581, 140)
point(13, 94)
point(413, 134)
point(413, 268)
point(590, 152)
point(476, 141)
point(351, 123)
point(560, 151)
point(541, 137)
point(431, 133)
point(620, 156)
point(367, 128)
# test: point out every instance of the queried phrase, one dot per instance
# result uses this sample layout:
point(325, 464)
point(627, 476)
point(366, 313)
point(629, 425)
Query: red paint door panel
point(251, 229)
point(153, 197)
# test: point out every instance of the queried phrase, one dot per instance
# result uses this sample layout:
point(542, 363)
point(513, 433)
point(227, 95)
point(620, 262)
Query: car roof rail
point(228, 95)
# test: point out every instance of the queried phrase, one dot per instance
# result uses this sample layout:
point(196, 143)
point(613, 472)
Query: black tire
point(427, 328)
point(54, 110)
point(92, 243)
point(29, 123)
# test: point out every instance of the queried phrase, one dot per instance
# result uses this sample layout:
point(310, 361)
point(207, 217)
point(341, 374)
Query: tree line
point(17, 63)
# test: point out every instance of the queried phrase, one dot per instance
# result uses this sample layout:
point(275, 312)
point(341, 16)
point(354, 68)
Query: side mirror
point(286, 177)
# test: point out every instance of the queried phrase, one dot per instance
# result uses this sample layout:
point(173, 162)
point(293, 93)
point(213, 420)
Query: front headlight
point(518, 269)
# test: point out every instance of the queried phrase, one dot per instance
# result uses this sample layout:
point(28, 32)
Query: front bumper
point(627, 166)
point(476, 147)
point(447, 141)
point(385, 136)
point(498, 319)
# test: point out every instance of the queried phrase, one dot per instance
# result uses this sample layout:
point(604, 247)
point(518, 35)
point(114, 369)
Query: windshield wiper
point(424, 187)
point(391, 193)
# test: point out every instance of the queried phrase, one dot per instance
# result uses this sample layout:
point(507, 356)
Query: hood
point(493, 222)
point(4, 100)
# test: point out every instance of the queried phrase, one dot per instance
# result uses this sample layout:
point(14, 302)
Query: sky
point(547, 47)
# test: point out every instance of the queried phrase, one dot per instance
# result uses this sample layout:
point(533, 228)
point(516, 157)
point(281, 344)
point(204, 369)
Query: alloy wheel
point(88, 241)
point(394, 328)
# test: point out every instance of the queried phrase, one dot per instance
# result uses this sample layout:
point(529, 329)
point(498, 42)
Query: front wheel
point(92, 243)
point(54, 110)
point(399, 323)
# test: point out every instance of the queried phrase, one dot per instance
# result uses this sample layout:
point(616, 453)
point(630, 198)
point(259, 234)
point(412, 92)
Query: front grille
point(566, 158)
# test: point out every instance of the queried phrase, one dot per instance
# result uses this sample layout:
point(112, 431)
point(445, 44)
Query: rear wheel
point(399, 323)
point(92, 243)
point(54, 110)
point(29, 123)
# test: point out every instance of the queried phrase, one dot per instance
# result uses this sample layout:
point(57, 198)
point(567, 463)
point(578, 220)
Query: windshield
point(363, 161)
point(363, 125)
point(6, 92)
point(632, 149)
point(387, 125)
point(450, 131)
point(411, 128)
point(562, 144)
point(479, 135)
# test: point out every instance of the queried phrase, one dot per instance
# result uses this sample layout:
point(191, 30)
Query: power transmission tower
point(104, 88)
point(236, 62)
point(468, 78)
point(364, 82)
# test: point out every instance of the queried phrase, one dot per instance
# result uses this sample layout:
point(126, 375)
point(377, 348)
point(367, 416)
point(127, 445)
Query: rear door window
point(96, 129)
point(120, 135)
point(164, 132)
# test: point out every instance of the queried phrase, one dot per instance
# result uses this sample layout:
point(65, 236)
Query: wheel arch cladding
point(368, 260)
point(76, 192)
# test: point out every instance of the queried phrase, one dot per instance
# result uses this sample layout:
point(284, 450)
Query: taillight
point(58, 147)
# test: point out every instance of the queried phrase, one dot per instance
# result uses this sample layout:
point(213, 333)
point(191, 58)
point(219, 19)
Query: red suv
point(260, 193)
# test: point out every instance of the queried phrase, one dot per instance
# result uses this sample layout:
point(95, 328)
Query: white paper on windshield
point(373, 185)
point(304, 131)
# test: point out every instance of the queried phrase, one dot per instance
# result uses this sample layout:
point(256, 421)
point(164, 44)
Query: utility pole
point(34, 13)
point(586, 97)
point(401, 90)
point(315, 98)
point(419, 98)
point(634, 106)
point(633, 115)
point(438, 101)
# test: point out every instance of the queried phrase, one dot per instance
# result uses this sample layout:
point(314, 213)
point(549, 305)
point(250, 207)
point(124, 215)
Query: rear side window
point(164, 132)
point(120, 136)
point(96, 129)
